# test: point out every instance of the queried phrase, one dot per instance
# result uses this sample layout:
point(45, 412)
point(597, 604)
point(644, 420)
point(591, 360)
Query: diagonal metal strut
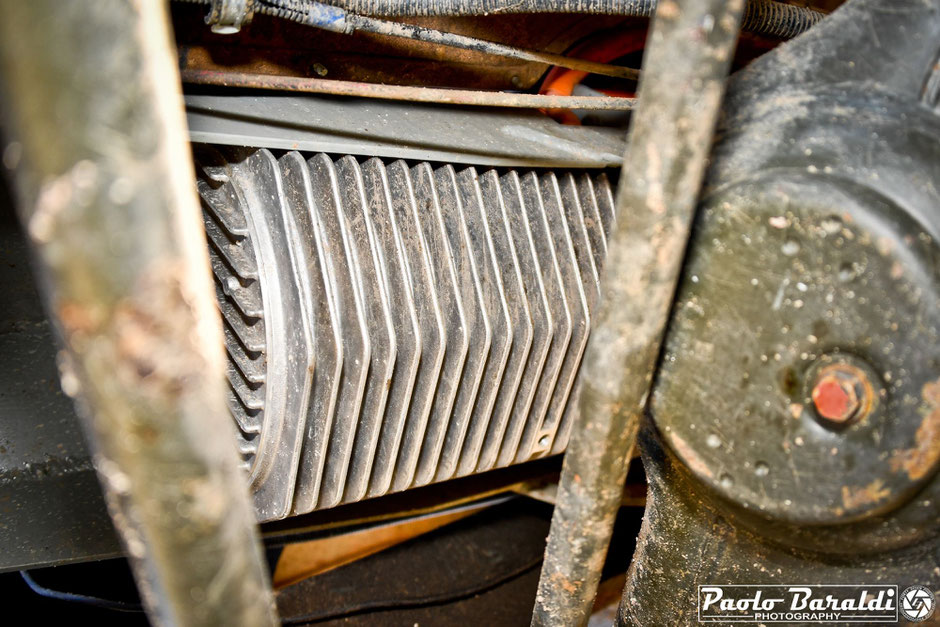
point(93, 108)
point(684, 72)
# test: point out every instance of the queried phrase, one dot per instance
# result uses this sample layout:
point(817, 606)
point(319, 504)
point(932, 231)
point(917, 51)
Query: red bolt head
point(835, 398)
point(842, 393)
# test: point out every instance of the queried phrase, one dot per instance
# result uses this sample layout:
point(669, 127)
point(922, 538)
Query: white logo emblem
point(917, 603)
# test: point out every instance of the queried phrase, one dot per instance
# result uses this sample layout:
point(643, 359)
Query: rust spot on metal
point(855, 497)
point(565, 583)
point(668, 10)
point(77, 318)
point(139, 331)
point(918, 461)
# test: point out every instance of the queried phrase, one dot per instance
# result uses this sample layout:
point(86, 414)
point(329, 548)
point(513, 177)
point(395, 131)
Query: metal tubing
point(684, 72)
point(465, 97)
point(104, 175)
point(763, 17)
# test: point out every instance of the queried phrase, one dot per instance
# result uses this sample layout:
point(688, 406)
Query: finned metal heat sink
point(389, 325)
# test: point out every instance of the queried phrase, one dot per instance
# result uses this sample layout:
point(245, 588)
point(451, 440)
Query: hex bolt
point(840, 393)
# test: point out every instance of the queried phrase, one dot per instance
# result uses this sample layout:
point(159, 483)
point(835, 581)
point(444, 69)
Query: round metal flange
point(801, 374)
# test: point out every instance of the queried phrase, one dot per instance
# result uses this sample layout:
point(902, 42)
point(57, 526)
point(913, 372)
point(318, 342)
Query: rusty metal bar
point(399, 92)
point(684, 72)
point(95, 117)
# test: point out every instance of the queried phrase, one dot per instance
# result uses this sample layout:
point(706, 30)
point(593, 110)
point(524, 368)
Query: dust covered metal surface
point(689, 539)
point(437, 317)
point(816, 252)
point(50, 500)
point(822, 276)
point(372, 128)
